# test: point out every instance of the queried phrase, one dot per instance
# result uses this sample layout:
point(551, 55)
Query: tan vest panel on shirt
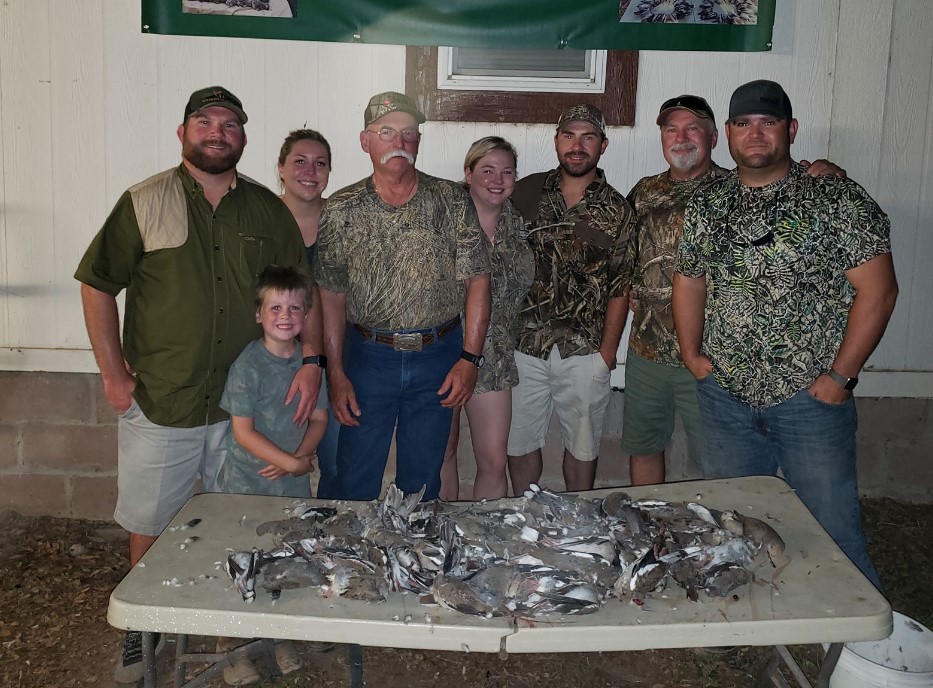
point(161, 211)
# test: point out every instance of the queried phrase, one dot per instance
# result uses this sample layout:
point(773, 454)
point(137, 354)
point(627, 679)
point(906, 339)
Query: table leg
point(829, 665)
point(181, 650)
point(355, 659)
point(149, 665)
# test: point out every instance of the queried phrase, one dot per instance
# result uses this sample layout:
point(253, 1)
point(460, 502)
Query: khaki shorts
point(576, 388)
point(157, 468)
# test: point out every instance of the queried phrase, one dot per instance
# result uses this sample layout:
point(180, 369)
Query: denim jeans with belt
point(812, 442)
point(396, 390)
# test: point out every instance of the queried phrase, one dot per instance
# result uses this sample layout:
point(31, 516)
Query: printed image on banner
point(287, 9)
point(713, 12)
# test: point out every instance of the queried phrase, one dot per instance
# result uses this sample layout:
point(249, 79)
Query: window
point(478, 69)
point(617, 99)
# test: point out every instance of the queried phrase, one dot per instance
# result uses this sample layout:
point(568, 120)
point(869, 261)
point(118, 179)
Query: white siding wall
point(89, 105)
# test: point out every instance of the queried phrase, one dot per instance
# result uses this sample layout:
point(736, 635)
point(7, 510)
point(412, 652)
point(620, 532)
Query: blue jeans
point(396, 390)
point(327, 458)
point(812, 442)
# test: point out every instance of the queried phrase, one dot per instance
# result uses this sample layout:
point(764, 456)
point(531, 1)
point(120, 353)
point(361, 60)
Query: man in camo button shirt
point(400, 255)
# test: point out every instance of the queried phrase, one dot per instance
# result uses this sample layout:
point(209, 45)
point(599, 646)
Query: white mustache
point(398, 153)
point(679, 148)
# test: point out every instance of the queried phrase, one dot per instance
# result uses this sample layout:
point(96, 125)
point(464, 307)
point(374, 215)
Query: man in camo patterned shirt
point(656, 383)
point(784, 286)
point(400, 254)
point(581, 232)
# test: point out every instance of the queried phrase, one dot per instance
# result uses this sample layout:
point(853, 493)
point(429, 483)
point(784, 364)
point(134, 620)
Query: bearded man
point(581, 231)
point(188, 246)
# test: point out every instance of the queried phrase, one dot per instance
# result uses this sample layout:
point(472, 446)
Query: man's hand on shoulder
point(307, 382)
point(459, 384)
point(823, 168)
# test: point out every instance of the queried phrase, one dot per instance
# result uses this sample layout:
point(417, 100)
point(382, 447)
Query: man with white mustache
point(400, 255)
point(657, 385)
point(580, 230)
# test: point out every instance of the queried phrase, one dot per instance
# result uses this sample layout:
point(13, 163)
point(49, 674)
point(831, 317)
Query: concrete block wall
point(58, 448)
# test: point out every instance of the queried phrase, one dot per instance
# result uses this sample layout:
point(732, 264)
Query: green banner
point(730, 25)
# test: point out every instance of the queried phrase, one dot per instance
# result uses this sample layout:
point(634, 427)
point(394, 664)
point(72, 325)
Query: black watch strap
point(478, 361)
point(319, 360)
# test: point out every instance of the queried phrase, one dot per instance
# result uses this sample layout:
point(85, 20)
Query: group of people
point(757, 295)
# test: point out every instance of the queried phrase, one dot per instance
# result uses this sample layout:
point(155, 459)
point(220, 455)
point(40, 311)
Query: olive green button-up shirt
point(190, 275)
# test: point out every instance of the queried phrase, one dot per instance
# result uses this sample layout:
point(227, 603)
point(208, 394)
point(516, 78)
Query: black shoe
point(130, 667)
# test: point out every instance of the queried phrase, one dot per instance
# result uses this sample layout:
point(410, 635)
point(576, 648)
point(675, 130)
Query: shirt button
point(219, 341)
point(221, 310)
point(220, 279)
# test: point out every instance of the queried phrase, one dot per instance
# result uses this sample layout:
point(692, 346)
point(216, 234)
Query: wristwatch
point(319, 360)
point(843, 381)
point(478, 361)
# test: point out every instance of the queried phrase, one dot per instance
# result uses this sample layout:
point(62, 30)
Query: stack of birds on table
point(540, 554)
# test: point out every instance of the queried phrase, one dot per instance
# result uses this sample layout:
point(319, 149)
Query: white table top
point(818, 597)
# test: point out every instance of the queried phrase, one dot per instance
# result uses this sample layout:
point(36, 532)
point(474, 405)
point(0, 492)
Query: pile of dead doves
point(543, 553)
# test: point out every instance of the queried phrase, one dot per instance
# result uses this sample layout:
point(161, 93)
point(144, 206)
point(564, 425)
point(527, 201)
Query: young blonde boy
point(266, 452)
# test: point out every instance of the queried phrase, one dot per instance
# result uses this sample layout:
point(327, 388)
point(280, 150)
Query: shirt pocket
point(256, 251)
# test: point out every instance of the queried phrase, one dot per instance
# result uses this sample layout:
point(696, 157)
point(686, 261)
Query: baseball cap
point(583, 113)
point(382, 104)
point(760, 97)
point(215, 96)
point(698, 106)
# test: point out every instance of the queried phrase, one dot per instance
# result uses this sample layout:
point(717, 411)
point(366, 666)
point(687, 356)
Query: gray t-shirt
point(256, 388)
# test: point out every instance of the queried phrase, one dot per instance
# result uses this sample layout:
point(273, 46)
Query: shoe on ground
point(286, 656)
point(130, 665)
point(242, 672)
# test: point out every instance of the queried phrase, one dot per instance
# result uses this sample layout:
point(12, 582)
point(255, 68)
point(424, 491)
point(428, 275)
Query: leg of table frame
point(766, 677)
point(149, 665)
point(829, 664)
point(355, 659)
point(181, 649)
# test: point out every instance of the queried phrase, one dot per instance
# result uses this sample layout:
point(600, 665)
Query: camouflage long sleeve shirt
point(513, 268)
point(584, 257)
point(659, 203)
point(774, 259)
point(401, 268)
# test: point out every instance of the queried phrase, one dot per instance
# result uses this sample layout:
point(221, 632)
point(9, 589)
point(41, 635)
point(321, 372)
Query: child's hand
point(307, 461)
point(272, 472)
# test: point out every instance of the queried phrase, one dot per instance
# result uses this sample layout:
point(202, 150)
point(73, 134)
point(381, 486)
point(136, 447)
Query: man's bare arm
point(689, 303)
point(307, 380)
point(342, 397)
point(613, 324)
point(876, 294)
point(102, 320)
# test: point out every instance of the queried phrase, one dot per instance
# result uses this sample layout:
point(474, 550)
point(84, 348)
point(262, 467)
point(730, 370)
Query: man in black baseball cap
point(215, 96)
point(761, 97)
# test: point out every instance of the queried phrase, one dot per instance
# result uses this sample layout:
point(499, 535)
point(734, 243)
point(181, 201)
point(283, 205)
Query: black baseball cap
point(215, 96)
point(760, 97)
point(698, 106)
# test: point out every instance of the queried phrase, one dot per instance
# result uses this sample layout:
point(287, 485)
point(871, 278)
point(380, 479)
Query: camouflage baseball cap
point(590, 114)
point(215, 96)
point(382, 104)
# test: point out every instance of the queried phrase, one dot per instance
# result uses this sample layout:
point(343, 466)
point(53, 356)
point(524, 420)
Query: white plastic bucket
point(902, 660)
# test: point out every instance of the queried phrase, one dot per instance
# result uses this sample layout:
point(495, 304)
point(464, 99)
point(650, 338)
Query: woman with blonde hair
point(490, 173)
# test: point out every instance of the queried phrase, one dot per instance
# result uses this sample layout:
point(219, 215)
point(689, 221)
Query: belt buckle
point(407, 341)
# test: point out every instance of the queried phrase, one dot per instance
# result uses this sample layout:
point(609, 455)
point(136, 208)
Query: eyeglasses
point(388, 134)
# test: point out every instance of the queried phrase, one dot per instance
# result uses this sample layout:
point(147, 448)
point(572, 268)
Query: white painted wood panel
point(90, 106)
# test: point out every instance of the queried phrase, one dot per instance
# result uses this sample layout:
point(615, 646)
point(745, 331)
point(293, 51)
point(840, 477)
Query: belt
point(408, 341)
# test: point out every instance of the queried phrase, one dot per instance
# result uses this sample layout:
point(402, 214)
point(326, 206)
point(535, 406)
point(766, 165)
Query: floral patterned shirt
point(774, 259)
point(659, 203)
point(584, 256)
point(513, 268)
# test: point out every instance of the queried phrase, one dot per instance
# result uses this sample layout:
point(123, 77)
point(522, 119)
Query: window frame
point(617, 102)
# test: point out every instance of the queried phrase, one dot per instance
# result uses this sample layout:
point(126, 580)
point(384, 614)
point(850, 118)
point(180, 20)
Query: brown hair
point(303, 135)
point(283, 278)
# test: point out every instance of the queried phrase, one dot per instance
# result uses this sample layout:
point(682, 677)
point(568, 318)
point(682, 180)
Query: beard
point(211, 160)
point(683, 157)
point(398, 153)
point(578, 168)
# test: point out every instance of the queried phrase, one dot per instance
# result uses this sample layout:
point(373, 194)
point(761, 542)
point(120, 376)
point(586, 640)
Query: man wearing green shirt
point(187, 245)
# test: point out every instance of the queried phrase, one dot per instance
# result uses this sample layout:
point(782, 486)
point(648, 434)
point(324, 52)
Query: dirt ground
point(56, 576)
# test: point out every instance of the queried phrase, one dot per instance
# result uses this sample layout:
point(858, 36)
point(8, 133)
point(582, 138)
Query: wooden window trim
point(617, 103)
